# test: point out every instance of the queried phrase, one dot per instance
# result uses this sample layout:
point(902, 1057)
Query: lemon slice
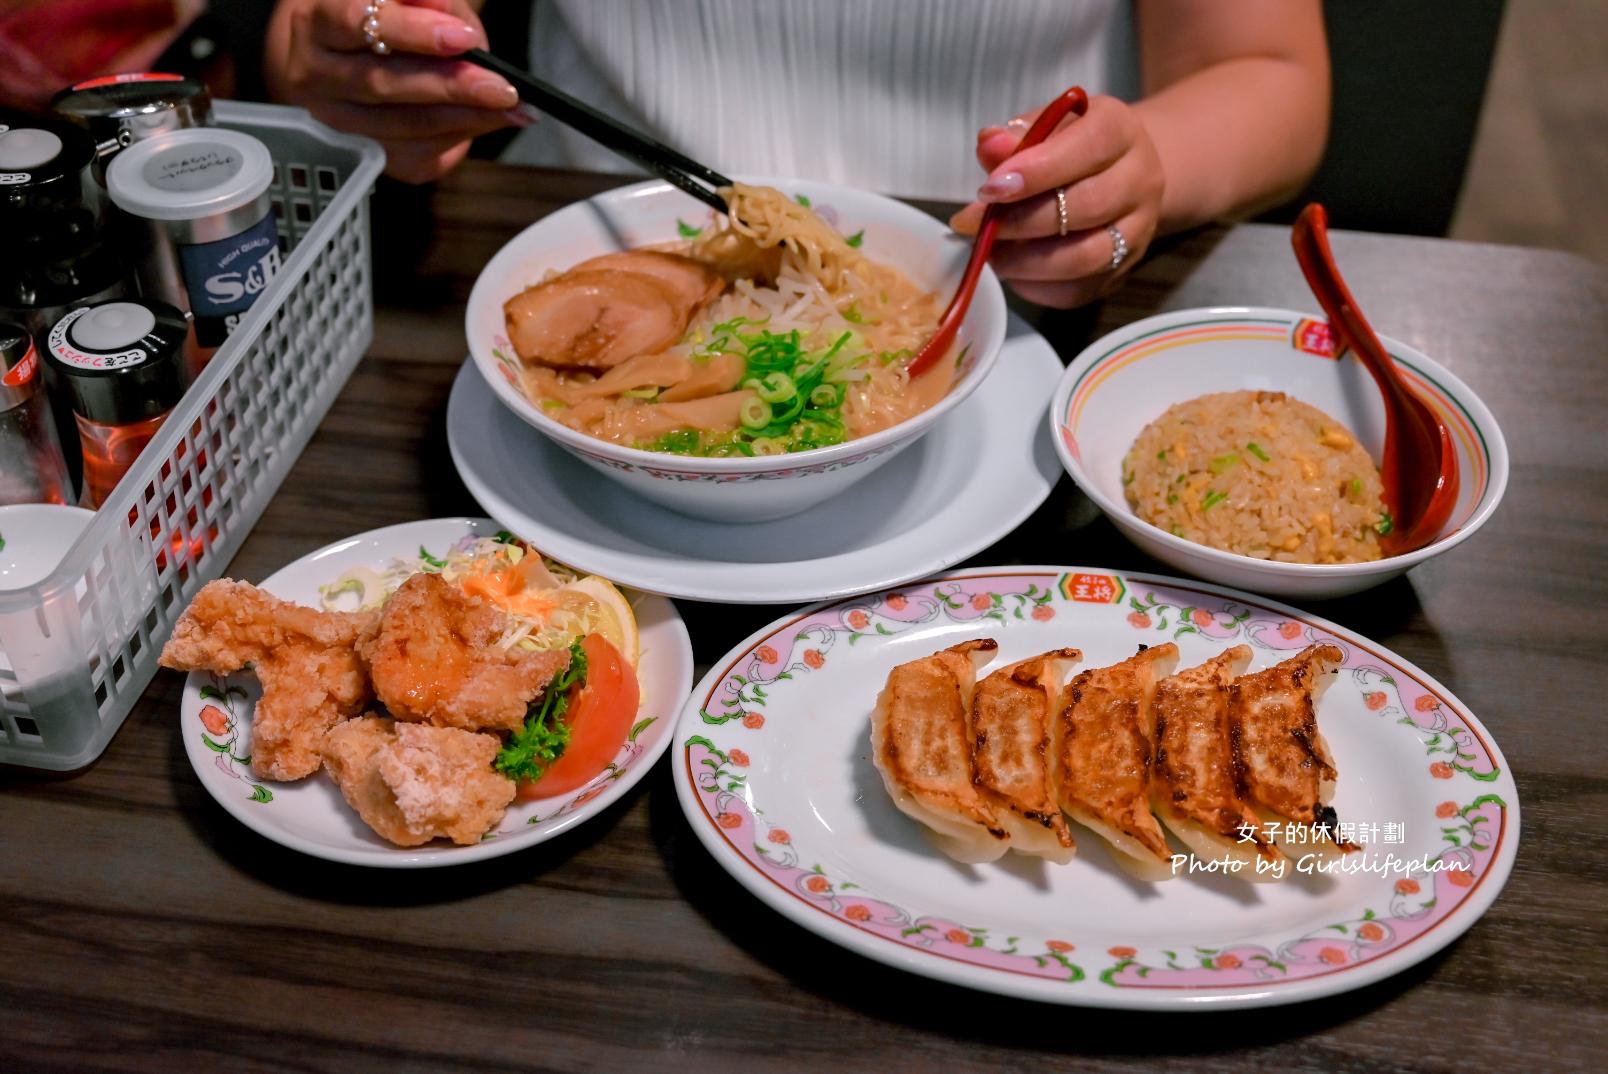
point(611, 613)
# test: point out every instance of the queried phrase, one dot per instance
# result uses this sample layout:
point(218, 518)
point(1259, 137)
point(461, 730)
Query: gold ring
point(1060, 208)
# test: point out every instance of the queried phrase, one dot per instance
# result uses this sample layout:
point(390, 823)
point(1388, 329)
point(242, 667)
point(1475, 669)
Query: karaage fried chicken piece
point(434, 658)
point(305, 659)
point(412, 782)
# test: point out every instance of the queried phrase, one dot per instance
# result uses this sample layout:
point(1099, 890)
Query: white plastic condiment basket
point(78, 648)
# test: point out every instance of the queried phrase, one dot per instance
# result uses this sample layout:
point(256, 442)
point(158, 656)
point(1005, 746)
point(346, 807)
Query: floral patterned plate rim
point(309, 815)
point(773, 770)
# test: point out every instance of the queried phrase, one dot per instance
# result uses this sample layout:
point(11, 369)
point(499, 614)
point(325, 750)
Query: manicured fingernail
point(1000, 185)
point(523, 116)
point(493, 92)
point(988, 132)
point(456, 38)
point(1017, 124)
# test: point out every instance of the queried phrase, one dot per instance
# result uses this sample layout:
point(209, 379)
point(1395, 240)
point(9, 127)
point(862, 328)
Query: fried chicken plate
point(412, 782)
point(433, 657)
point(312, 677)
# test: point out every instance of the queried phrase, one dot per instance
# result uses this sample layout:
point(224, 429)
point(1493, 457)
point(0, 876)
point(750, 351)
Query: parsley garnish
point(545, 734)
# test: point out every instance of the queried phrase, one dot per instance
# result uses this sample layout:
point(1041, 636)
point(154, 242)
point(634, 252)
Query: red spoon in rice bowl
point(1073, 102)
point(1419, 467)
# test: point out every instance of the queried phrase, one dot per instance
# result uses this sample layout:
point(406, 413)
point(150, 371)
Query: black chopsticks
point(678, 169)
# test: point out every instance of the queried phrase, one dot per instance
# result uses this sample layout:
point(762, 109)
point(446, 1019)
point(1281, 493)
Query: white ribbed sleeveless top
point(882, 94)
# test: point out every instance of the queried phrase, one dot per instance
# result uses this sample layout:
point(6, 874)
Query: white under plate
point(970, 481)
point(773, 771)
point(309, 815)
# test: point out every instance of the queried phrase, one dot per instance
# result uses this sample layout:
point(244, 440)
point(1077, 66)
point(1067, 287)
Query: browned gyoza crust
point(1104, 748)
point(1195, 777)
point(921, 742)
point(1283, 764)
point(1011, 715)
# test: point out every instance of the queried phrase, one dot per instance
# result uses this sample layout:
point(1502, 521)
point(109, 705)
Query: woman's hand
point(418, 102)
point(1111, 174)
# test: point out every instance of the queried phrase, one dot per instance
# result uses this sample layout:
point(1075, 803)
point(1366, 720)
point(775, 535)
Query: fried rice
point(1259, 474)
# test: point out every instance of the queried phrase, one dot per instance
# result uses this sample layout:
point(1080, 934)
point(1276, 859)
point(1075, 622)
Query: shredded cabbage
point(572, 613)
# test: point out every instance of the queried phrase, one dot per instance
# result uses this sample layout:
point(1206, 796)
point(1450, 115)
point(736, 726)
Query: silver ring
point(1119, 247)
point(371, 28)
point(1060, 209)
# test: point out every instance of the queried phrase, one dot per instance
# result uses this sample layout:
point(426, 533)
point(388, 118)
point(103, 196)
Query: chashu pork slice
point(1012, 711)
point(693, 283)
point(594, 319)
point(1101, 757)
point(921, 743)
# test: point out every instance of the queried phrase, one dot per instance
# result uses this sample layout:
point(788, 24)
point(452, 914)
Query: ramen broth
point(800, 341)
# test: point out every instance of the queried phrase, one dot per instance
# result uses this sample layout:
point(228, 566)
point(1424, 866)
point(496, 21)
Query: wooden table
point(143, 928)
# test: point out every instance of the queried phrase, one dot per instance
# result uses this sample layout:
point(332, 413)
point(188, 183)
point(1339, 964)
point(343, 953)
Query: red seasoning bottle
point(122, 366)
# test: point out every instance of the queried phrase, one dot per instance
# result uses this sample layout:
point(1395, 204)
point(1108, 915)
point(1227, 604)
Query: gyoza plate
point(773, 770)
point(970, 481)
point(310, 815)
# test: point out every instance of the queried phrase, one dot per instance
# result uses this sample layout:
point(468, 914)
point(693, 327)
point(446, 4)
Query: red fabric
point(51, 44)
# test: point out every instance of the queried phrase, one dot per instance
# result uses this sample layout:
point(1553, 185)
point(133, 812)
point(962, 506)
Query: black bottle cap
point(44, 163)
point(120, 362)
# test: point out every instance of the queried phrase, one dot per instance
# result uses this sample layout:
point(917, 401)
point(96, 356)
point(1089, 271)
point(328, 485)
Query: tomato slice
point(600, 716)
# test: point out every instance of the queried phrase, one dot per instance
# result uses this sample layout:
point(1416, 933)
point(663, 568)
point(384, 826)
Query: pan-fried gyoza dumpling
point(1286, 769)
point(1011, 716)
point(1193, 788)
point(921, 743)
point(1102, 750)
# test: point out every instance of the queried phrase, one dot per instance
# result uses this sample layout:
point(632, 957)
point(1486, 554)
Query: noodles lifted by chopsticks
point(767, 218)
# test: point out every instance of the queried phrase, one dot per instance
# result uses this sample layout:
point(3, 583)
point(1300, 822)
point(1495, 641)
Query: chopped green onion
point(1356, 486)
point(1224, 462)
point(755, 413)
point(1255, 449)
point(1127, 478)
point(1161, 456)
point(773, 387)
point(686, 230)
point(647, 392)
point(430, 562)
point(1213, 498)
point(802, 200)
point(767, 446)
point(851, 313)
point(1172, 498)
point(825, 395)
point(1384, 525)
point(1180, 480)
point(679, 442)
point(856, 239)
point(552, 404)
point(1177, 531)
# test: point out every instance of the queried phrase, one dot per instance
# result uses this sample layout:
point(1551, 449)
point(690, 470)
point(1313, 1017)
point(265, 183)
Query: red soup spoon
point(1419, 467)
point(1073, 101)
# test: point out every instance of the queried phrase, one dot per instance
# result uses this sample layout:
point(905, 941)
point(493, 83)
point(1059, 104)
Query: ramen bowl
point(1124, 381)
point(741, 489)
